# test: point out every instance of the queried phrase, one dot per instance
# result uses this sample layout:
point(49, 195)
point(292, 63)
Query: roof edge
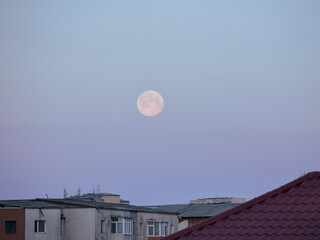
point(243, 206)
point(60, 203)
point(84, 204)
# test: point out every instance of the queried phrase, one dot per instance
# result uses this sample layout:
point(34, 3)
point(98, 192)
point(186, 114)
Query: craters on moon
point(150, 103)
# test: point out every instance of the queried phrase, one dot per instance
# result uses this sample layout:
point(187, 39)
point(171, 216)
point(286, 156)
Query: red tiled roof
point(288, 212)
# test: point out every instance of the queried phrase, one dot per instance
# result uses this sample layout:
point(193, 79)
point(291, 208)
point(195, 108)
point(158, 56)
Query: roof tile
point(289, 212)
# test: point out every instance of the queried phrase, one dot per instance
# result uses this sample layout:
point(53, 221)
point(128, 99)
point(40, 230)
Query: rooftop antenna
point(98, 188)
point(78, 192)
point(93, 189)
point(65, 194)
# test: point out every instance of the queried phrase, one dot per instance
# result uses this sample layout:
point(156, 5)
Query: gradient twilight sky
point(240, 82)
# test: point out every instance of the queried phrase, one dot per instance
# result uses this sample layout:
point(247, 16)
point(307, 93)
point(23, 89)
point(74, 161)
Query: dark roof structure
point(291, 211)
point(45, 203)
point(28, 203)
point(101, 205)
point(197, 210)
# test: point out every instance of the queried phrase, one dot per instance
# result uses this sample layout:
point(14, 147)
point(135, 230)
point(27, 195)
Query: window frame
point(159, 229)
point(10, 229)
point(122, 225)
point(37, 226)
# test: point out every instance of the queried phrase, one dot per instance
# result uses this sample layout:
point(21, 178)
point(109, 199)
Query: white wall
point(79, 224)
point(85, 224)
point(139, 217)
point(52, 226)
point(106, 216)
point(172, 220)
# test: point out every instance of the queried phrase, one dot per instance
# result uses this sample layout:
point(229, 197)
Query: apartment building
point(81, 219)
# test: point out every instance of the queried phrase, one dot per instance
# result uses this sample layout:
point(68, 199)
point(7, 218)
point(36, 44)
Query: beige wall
point(110, 199)
point(184, 224)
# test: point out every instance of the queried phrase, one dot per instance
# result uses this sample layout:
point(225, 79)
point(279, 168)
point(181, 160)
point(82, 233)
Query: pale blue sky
point(240, 81)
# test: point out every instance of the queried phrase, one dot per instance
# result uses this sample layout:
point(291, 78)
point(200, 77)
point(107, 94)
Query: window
point(122, 225)
point(103, 227)
point(10, 227)
point(157, 228)
point(39, 226)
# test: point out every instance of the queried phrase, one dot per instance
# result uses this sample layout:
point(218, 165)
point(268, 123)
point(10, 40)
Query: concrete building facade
point(74, 219)
point(200, 209)
point(29, 220)
point(12, 222)
point(42, 224)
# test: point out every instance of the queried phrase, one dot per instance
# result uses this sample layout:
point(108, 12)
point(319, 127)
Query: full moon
point(150, 103)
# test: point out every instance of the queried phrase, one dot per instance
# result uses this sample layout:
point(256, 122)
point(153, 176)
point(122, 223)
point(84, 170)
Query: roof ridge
point(273, 218)
point(268, 227)
point(284, 211)
point(265, 234)
point(243, 206)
